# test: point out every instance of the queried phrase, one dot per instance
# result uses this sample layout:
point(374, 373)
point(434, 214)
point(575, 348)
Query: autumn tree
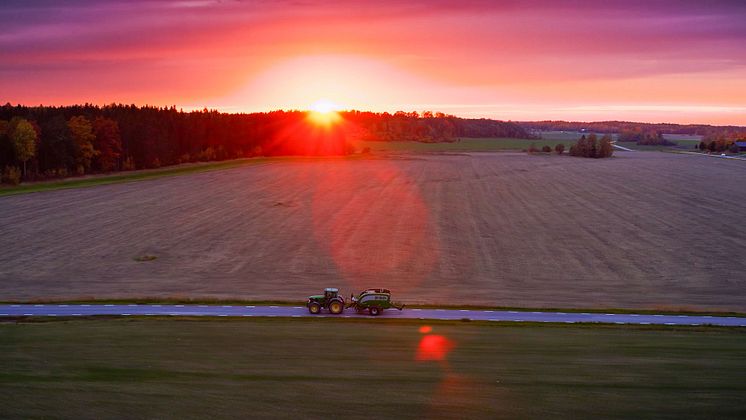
point(6, 149)
point(56, 152)
point(579, 148)
point(605, 147)
point(591, 146)
point(108, 143)
point(23, 138)
point(81, 131)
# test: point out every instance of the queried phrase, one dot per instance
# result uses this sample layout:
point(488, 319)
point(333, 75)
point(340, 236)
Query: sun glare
point(324, 112)
point(324, 106)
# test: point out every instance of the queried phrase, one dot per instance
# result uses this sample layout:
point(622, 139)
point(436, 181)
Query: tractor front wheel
point(336, 307)
point(314, 308)
point(374, 310)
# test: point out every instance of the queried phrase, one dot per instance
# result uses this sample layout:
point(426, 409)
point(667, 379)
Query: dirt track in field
point(642, 230)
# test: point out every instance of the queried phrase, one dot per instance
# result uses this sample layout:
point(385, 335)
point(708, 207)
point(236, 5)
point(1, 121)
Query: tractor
point(374, 301)
point(329, 300)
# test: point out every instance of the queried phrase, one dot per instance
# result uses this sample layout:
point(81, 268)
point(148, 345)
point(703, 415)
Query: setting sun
point(324, 112)
point(324, 106)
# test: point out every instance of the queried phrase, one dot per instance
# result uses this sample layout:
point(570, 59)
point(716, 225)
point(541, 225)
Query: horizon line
point(238, 111)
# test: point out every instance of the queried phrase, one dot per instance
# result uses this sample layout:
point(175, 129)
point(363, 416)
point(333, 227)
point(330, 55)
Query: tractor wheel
point(314, 308)
point(374, 310)
point(336, 307)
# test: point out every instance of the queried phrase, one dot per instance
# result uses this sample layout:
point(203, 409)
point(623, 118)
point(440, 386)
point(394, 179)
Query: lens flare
point(375, 224)
point(434, 348)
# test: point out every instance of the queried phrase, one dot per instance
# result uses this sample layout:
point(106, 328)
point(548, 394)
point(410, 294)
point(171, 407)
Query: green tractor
point(329, 300)
point(374, 301)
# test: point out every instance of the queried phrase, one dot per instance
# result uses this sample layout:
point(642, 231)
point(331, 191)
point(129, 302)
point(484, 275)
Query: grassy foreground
point(361, 369)
point(120, 177)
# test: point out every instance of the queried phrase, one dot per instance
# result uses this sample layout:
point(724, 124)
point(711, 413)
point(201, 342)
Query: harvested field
point(642, 230)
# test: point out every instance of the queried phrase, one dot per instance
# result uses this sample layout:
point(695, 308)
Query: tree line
point(621, 126)
point(645, 137)
point(46, 142)
point(721, 142)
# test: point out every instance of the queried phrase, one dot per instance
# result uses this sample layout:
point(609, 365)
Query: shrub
point(366, 150)
point(11, 175)
point(532, 149)
point(559, 148)
point(546, 149)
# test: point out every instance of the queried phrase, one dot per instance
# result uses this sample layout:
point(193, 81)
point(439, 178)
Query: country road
point(73, 310)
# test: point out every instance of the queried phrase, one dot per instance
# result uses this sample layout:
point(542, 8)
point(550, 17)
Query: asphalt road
point(64, 310)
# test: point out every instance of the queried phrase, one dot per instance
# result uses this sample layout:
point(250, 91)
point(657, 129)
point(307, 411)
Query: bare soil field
point(641, 230)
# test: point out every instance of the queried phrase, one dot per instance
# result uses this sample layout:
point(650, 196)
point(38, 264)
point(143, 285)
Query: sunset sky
point(654, 61)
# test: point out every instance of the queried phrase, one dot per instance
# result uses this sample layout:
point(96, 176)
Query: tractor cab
point(330, 292)
point(330, 300)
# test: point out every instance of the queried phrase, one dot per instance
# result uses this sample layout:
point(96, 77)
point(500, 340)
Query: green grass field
point(157, 368)
point(681, 144)
point(463, 145)
point(90, 181)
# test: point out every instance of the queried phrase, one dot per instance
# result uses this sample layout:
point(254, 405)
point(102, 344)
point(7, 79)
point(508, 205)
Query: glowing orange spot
point(324, 113)
point(434, 347)
point(425, 329)
point(324, 119)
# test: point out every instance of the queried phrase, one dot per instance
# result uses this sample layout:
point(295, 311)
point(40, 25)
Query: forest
point(45, 142)
point(628, 126)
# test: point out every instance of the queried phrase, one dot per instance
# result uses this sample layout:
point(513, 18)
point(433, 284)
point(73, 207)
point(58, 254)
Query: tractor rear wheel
point(374, 310)
point(336, 307)
point(314, 308)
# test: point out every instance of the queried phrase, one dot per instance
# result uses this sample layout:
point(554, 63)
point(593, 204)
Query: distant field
point(462, 145)
point(567, 135)
point(338, 369)
point(639, 231)
point(683, 141)
point(681, 144)
point(683, 138)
